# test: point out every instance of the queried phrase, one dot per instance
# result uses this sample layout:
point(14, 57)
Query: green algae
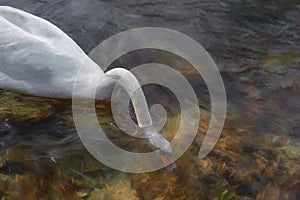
point(243, 163)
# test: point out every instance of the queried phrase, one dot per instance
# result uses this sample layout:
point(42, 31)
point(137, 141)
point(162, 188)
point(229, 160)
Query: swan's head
point(158, 141)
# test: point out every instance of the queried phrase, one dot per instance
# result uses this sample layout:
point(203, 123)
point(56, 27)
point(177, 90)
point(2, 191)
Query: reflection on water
point(256, 46)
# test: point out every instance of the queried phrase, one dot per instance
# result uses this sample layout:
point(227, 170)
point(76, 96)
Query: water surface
point(256, 46)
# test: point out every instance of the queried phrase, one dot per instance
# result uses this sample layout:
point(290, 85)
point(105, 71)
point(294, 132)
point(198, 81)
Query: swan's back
point(36, 57)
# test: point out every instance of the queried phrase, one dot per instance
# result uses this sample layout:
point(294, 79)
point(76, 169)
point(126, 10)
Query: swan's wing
point(36, 57)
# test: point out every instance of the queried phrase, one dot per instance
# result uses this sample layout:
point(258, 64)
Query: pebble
point(281, 141)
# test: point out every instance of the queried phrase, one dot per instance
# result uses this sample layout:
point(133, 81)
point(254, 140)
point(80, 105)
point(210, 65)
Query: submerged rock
point(281, 141)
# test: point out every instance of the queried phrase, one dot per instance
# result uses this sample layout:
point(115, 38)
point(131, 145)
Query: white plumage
point(38, 58)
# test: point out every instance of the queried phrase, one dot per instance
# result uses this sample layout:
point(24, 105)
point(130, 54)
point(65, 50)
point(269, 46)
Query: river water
point(256, 46)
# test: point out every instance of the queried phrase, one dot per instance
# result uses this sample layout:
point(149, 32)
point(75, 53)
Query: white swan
point(38, 58)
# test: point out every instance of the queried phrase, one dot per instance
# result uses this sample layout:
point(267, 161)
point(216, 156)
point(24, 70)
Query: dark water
point(256, 45)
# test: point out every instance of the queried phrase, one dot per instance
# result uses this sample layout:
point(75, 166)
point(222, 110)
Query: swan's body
point(38, 58)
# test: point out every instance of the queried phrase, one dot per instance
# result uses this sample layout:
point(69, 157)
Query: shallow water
point(256, 46)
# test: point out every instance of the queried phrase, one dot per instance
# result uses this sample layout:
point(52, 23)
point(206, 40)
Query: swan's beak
point(158, 141)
